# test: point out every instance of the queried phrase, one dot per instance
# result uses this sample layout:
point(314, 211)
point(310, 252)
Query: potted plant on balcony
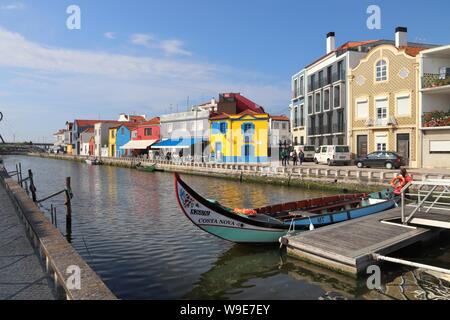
point(436, 119)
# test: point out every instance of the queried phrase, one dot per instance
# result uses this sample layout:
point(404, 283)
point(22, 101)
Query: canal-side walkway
point(21, 274)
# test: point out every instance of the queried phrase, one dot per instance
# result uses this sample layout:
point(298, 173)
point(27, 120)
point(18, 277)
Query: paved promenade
point(21, 274)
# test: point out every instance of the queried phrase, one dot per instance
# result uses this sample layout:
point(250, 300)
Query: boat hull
point(225, 224)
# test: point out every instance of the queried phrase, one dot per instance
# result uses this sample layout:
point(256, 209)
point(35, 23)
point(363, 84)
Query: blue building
point(123, 136)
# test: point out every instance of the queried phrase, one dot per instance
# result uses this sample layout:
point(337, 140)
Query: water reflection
point(128, 227)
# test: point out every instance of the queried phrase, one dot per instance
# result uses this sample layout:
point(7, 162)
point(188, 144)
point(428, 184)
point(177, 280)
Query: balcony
point(433, 80)
point(436, 119)
point(386, 122)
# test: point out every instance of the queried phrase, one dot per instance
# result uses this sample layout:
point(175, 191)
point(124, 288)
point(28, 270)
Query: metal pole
point(403, 206)
point(51, 213)
point(411, 264)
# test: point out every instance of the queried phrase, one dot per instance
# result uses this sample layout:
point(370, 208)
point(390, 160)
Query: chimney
point(401, 37)
point(331, 42)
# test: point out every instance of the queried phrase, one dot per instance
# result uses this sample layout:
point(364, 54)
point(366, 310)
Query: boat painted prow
point(217, 220)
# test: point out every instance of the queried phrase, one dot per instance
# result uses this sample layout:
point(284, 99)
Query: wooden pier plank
point(348, 246)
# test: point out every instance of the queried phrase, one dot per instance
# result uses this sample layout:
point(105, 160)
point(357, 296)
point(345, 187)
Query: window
point(321, 79)
point(337, 96)
point(295, 141)
point(247, 151)
point(381, 71)
point(326, 100)
point(362, 109)
point(302, 140)
point(122, 131)
point(134, 134)
point(275, 125)
point(284, 126)
point(440, 146)
point(310, 104)
point(112, 134)
point(148, 131)
point(223, 127)
point(381, 107)
point(341, 73)
point(295, 116)
point(329, 74)
point(302, 115)
point(169, 127)
point(295, 94)
point(302, 86)
point(340, 126)
point(248, 128)
point(381, 142)
point(341, 142)
point(404, 106)
point(329, 122)
point(317, 102)
point(313, 82)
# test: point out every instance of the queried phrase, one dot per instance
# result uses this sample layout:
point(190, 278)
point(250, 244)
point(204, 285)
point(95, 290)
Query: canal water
point(128, 227)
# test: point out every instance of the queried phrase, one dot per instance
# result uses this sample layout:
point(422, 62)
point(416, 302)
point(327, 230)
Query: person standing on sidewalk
point(302, 157)
point(295, 157)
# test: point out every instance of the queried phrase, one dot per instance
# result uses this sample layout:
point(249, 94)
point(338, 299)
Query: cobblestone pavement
point(21, 274)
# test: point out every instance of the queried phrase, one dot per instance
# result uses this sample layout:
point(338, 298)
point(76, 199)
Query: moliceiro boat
point(268, 224)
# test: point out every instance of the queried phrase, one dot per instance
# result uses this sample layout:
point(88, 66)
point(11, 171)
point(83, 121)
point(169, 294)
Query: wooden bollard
point(68, 208)
point(32, 186)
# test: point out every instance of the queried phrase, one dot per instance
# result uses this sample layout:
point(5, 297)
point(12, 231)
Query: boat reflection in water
point(240, 272)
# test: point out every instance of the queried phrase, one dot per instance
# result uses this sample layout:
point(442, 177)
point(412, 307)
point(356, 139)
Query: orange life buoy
point(398, 182)
point(247, 212)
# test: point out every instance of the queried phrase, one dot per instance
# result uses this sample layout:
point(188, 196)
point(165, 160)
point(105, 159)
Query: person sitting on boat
point(399, 182)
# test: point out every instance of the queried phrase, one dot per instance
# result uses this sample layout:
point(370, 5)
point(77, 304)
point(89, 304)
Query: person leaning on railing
point(400, 181)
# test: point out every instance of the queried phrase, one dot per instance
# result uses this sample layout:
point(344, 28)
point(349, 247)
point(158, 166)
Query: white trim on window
point(320, 102)
point(329, 99)
point(381, 72)
point(340, 96)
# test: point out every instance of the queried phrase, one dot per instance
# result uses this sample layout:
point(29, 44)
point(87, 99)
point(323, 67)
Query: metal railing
point(428, 195)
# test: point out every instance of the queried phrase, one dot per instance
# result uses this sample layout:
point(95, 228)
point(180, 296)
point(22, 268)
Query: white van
point(332, 155)
point(309, 152)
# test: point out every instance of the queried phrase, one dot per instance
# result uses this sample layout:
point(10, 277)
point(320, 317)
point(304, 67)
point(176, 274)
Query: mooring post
point(32, 186)
point(19, 174)
point(69, 208)
point(51, 212)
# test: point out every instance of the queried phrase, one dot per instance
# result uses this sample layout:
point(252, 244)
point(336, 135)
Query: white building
point(435, 107)
point(101, 137)
point(85, 138)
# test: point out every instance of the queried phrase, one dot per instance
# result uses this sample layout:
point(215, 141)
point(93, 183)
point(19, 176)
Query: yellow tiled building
point(112, 150)
point(384, 95)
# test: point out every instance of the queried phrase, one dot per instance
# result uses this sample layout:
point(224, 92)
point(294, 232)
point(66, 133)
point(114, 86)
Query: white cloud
point(12, 6)
point(16, 51)
point(142, 39)
point(63, 84)
point(170, 47)
point(110, 35)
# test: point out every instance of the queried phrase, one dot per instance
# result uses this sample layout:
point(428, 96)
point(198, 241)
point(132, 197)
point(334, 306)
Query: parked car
point(387, 159)
point(332, 155)
point(309, 152)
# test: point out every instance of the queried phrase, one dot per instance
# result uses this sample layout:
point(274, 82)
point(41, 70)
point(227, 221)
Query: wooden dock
point(348, 247)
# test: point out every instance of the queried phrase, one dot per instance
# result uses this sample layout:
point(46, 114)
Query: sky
point(153, 57)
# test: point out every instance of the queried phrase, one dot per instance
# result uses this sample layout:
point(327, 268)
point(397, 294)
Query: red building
point(143, 136)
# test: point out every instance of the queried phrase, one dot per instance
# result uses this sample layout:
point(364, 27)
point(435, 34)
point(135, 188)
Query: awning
point(181, 143)
point(138, 144)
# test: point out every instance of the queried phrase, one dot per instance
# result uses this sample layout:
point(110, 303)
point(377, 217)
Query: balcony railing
point(392, 121)
point(338, 128)
point(433, 80)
